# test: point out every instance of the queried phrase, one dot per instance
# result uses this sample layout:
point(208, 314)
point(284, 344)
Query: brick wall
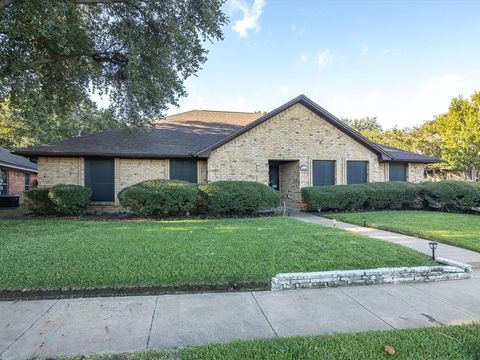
point(294, 134)
point(60, 170)
point(202, 171)
point(416, 172)
point(63, 170)
point(16, 181)
point(290, 183)
point(132, 171)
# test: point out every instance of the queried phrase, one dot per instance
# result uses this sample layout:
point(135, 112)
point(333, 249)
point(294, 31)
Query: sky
point(401, 61)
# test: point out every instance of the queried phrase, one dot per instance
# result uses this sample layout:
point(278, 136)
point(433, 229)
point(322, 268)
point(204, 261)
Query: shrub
point(334, 197)
point(70, 199)
point(238, 197)
point(159, 197)
point(392, 196)
point(450, 195)
point(38, 202)
point(457, 196)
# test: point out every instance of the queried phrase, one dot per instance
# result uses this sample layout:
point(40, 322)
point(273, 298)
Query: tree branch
point(113, 57)
point(93, 2)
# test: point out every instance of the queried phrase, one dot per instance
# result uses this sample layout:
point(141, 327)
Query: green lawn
point(461, 230)
point(51, 254)
point(446, 343)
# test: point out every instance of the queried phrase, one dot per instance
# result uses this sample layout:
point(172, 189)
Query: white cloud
point(251, 16)
point(303, 58)
point(284, 88)
point(324, 58)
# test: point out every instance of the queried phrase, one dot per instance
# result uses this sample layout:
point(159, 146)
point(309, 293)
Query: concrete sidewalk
point(415, 243)
point(82, 326)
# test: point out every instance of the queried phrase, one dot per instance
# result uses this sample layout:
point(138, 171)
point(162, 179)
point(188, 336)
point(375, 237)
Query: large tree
point(453, 136)
point(458, 134)
point(54, 54)
point(17, 132)
point(363, 124)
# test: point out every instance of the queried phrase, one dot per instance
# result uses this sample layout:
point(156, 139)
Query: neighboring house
point(296, 145)
point(17, 173)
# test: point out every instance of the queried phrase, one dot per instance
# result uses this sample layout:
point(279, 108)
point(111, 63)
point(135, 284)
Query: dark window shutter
point(185, 170)
point(398, 172)
point(323, 172)
point(357, 172)
point(100, 177)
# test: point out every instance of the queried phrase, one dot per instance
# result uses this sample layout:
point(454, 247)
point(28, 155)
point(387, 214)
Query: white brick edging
point(452, 270)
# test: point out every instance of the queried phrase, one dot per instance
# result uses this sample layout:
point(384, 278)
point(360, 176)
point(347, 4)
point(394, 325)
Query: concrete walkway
point(82, 326)
point(418, 244)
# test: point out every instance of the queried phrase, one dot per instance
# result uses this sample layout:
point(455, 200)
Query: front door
point(99, 176)
point(274, 176)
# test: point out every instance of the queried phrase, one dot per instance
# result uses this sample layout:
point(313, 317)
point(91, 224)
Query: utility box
point(9, 201)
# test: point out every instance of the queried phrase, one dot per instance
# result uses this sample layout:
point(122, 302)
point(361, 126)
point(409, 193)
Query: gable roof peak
point(318, 110)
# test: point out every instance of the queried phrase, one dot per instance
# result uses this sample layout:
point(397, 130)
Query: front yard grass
point(446, 343)
point(462, 230)
point(54, 254)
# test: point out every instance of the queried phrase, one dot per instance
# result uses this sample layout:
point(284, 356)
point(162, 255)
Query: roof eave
point(32, 153)
point(419, 161)
point(9, 165)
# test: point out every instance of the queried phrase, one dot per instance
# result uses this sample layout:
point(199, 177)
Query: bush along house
point(298, 144)
point(17, 174)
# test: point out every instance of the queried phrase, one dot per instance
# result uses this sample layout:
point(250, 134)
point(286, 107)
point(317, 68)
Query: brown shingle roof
point(211, 116)
point(195, 134)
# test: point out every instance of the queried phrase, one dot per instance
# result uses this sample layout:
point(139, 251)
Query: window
point(357, 172)
point(27, 182)
point(398, 172)
point(185, 170)
point(3, 182)
point(99, 176)
point(323, 172)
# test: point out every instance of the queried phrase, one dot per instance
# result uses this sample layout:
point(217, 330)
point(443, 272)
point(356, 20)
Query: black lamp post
point(433, 245)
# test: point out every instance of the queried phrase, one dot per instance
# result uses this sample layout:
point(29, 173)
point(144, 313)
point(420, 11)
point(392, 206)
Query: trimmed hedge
point(450, 195)
point(60, 199)
point(70, 199)
point(334, 197)
point(392, 196)
point(38, 202)
point(237, 197)
point(160, 197)
point(456, 196)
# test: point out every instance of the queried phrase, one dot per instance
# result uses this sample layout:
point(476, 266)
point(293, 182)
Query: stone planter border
point(451, 270)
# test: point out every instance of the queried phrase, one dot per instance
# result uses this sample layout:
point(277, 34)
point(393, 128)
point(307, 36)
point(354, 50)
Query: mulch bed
point(39, 294)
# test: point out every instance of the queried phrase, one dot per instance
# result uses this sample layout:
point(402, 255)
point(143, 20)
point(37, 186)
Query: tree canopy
point(16, 132)
point(55, 54)
point(364, 124)
point(453, 136)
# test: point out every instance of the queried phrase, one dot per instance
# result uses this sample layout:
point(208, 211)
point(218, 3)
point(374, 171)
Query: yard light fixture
point(364, 221)
point(433, 245)
point(334, 222)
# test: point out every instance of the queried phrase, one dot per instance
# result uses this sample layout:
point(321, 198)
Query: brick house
point(17, 173)
point(296, 145)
